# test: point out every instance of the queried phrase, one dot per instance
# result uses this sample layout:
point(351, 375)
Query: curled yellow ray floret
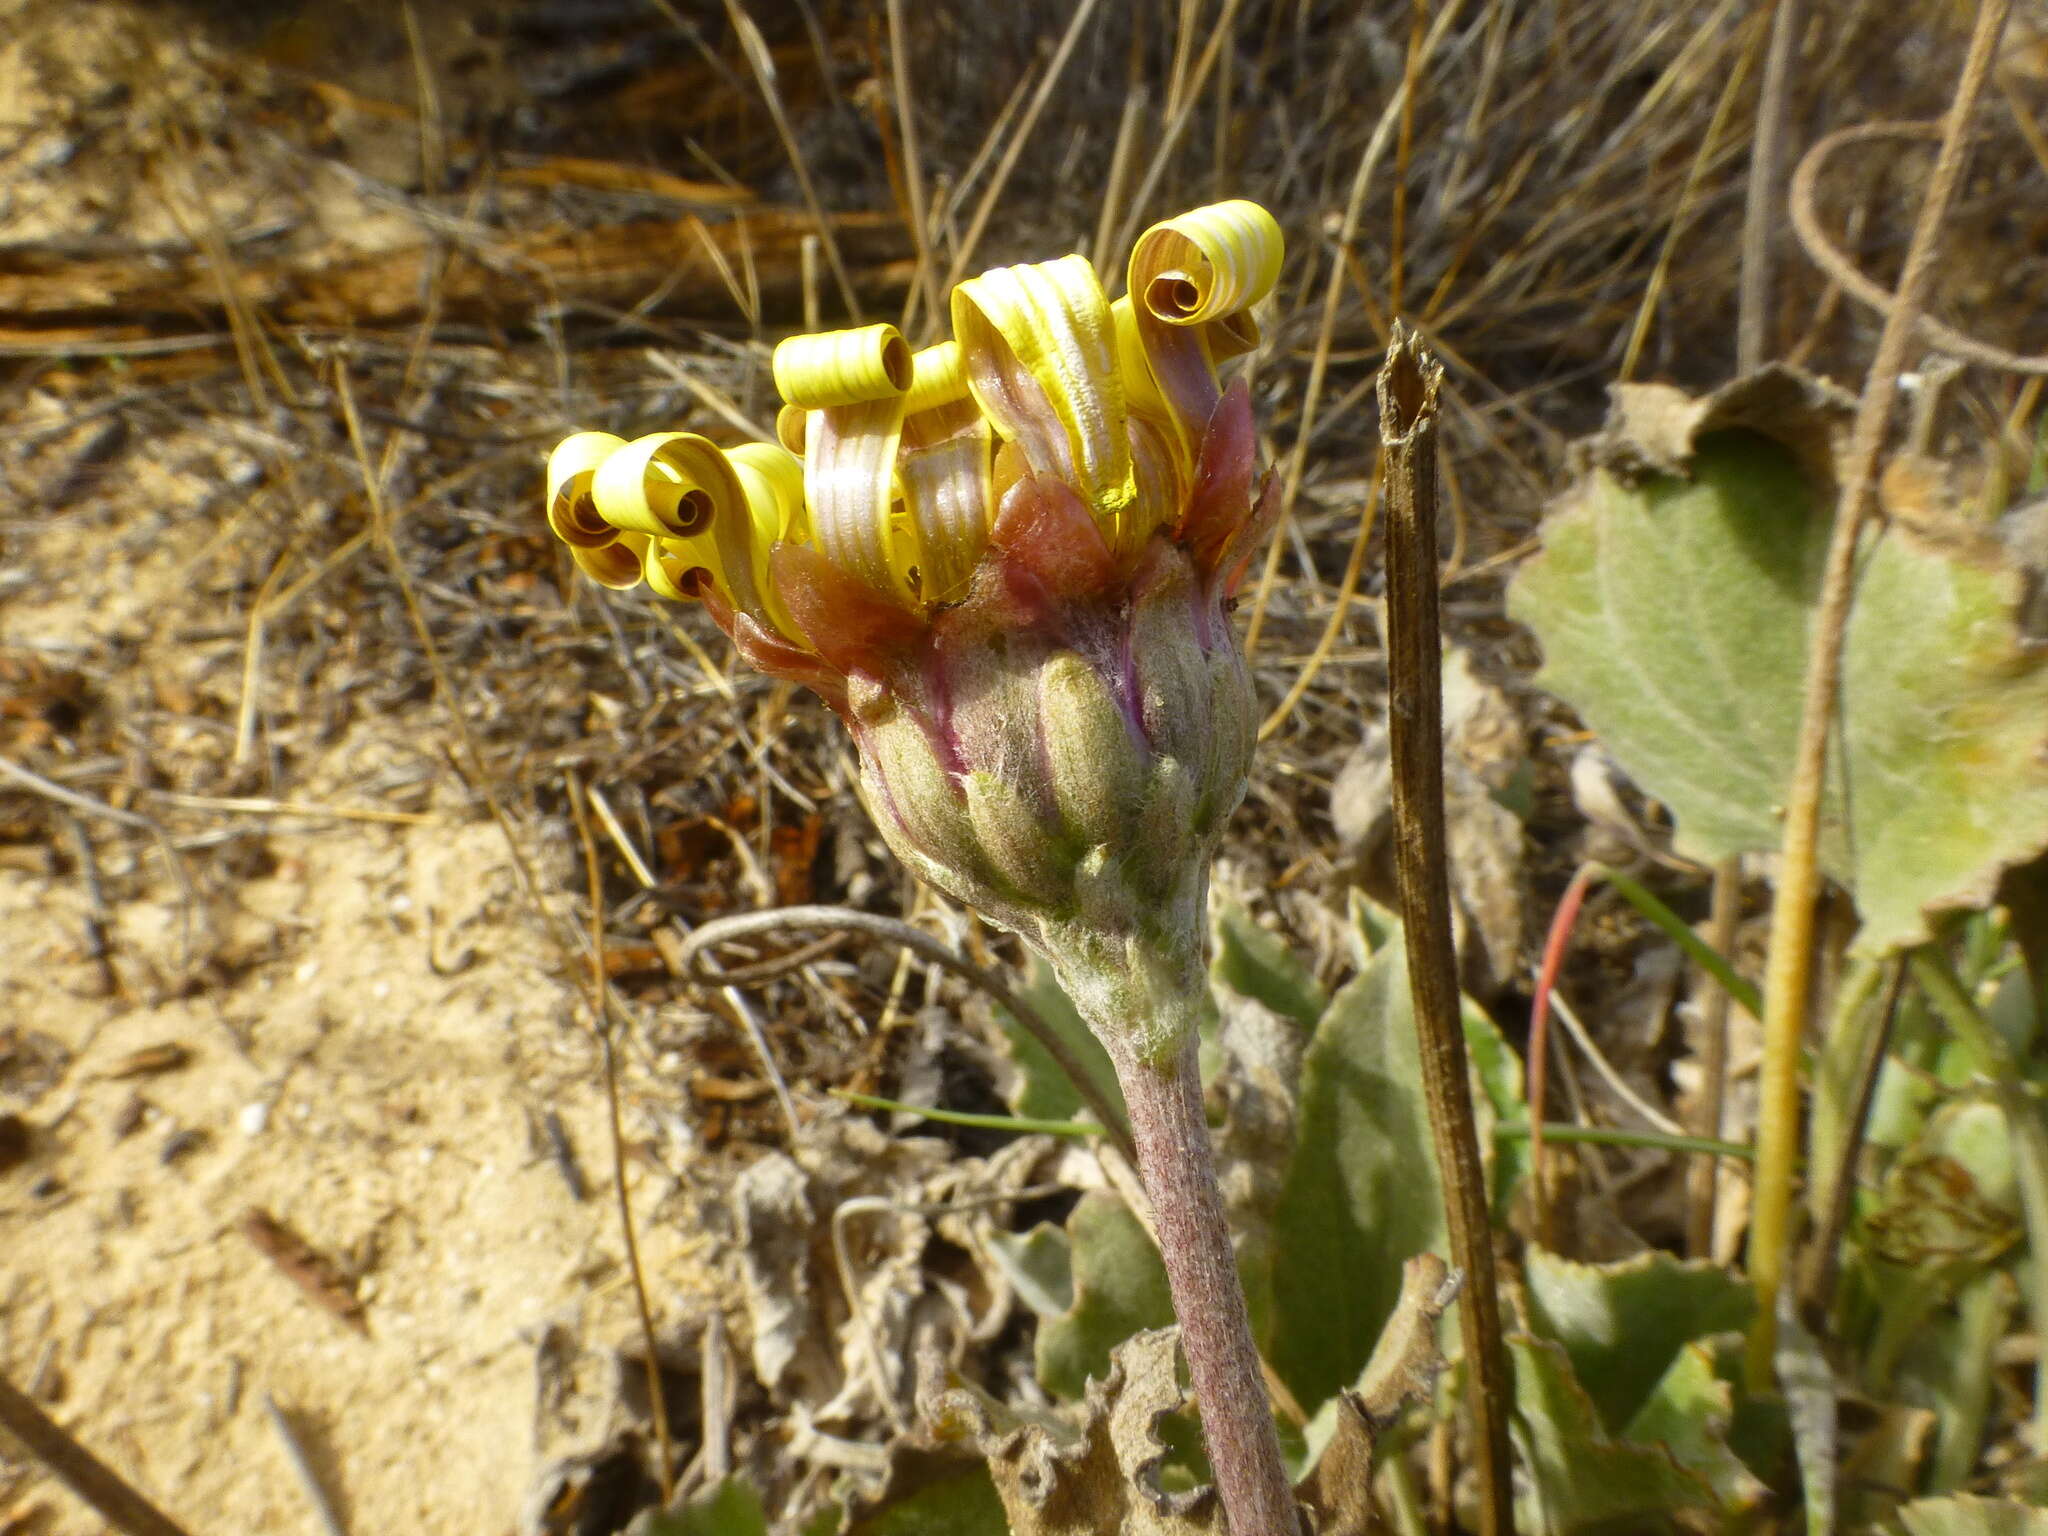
point(1207, 265)
point(572, 514)
point(773, 479)
point(1039, 344)
point(617, 565)
point(846, 394)
point(682, 492)
point(666, 485)
point(843, 367)
point(892, 462)
point(790, 423)
point(938, 376)
point(851, 489)
point(1193, 280)
point(1141, 391)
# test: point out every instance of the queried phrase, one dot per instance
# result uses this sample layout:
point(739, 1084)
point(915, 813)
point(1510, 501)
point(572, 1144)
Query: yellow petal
point(1141, 393)
point(850, 488)
point(843, 367)
point(1163, 486)
point(1192, 279)
point(937, 377)
point(679, 488)
point(665, 564)
point(1039, 345)
point(617, 564)
point(572, 516)
point(773, 479)
point(948, 492)
point(1208, 264)
point(789, 427)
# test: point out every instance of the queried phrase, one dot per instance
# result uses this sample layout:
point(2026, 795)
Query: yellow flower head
point(1057, 429)
point(1004, 560)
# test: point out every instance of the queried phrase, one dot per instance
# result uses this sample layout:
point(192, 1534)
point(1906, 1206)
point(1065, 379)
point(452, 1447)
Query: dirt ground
point(361, 1040)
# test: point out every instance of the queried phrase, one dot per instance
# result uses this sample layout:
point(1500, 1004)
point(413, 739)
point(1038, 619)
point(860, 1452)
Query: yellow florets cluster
point(892, 464)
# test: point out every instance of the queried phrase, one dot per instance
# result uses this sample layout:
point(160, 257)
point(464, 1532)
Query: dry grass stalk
point(758, 60)
point(1788, 966)
point(611, 266)
point(603, 1020)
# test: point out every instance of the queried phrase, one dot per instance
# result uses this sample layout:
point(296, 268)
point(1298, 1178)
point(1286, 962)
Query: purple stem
point(1174, 1158)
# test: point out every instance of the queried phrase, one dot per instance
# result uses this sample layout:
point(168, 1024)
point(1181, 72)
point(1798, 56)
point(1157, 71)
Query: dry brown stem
point(1408, 410)
point(84, 1473)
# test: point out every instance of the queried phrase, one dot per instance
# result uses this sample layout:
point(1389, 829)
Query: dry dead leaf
point(1095, 1467)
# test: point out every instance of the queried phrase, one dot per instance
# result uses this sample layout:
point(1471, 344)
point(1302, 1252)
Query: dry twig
point(1408, 407)
point(110, 1495)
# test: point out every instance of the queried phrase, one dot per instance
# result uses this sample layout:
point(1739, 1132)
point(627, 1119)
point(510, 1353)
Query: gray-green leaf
point(1361, 1193)
point(1623, 1324)
point(1688, 1413)
point(1043, 1091)
point(1119, 1288)
point(1675, 609)
point(1257, 964)
point(1584, 1477)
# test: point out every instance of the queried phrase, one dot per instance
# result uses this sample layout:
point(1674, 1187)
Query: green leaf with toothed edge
point(1970, 1516)
point(1675, 614)
point(1582, 1477)
point(1118, 1286)
point(1622, 1324)
point(1689, 1413)
point(1259, 965)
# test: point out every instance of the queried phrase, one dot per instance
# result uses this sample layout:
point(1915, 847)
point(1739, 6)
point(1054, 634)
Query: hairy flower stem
point(1164, 1098)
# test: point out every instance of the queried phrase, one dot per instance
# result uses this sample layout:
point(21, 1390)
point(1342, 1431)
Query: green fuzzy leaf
point(1585, 1479)
point(1622, 1325)
point(730, 1509)
point(963, 1505)
point(1259, 965)
point(1361, 1193)
point(1969, 1516)
point(1497, 1071)
point(1119, 1288)
point(1043, 1090)
point(1674, 613)
point(1689, 1413)
point(1040, 1264)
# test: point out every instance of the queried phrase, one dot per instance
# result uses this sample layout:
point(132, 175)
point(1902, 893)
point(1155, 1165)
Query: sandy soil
point(365, 1048)
point(353, 1024)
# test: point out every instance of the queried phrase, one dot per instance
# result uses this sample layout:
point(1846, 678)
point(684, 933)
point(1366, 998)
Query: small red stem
point(1554, 945)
